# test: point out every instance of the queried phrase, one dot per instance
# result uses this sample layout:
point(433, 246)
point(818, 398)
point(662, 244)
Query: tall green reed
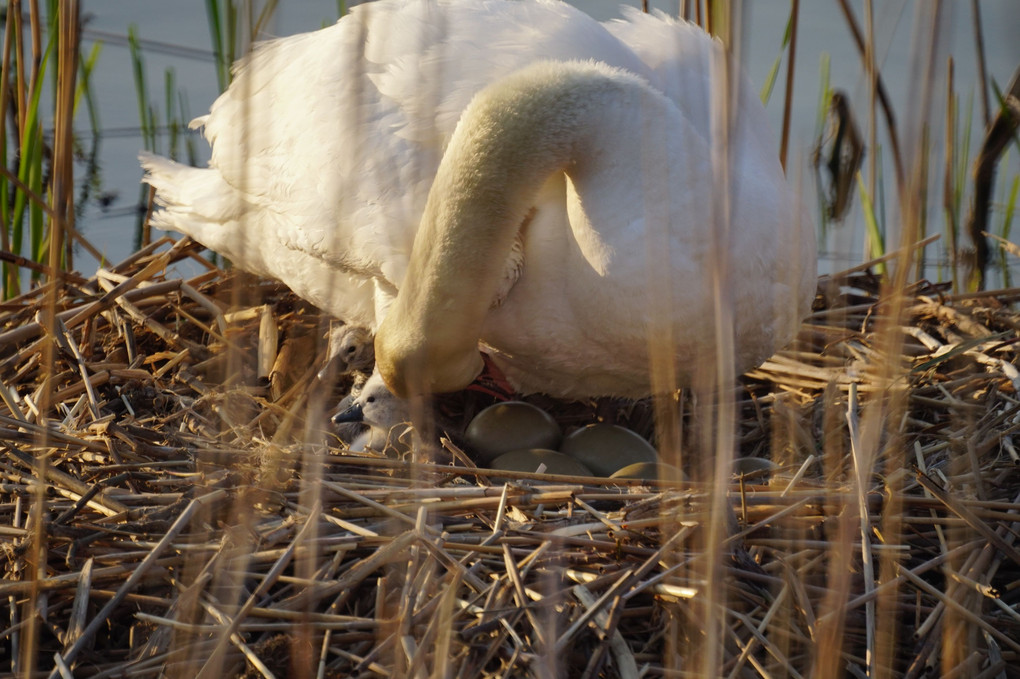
point(23, 193)
point(227, 19)
point(45, 78)
point(1006, 226)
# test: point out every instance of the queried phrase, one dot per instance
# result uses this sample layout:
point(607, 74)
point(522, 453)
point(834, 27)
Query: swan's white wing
point(678, 56)
point(774, 226)
point(326, 144)
point(337, 133)
point(301, 134)
point(460, 47)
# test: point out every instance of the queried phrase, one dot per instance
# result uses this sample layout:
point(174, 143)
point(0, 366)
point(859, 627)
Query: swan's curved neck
point(546, 118)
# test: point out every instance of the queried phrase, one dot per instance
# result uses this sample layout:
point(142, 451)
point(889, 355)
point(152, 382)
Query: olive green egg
point(513, 425)
point(605, 448)
point(760, 467)
point(650, 471)
point(529, 460)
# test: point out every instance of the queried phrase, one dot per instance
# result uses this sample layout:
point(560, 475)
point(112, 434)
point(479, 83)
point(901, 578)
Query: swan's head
point(413, 365)
point(375, 406)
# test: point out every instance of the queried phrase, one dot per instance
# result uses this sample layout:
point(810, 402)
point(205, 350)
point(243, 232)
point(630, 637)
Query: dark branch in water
point(883, 98)
point(845, 155)
point(997, 137)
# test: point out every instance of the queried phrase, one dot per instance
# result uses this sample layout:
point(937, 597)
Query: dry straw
point(173, 505)
point(175, 538)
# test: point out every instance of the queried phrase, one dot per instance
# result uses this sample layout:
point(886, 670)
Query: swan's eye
point(370, 399)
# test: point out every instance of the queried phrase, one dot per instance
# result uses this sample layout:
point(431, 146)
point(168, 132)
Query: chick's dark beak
point(352, 413)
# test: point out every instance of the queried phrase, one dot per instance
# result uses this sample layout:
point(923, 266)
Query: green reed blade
point(145, 117)
point(30, 170)
point(770, 79)
point(212, 10)
point(824, 94)
point(84, 88)
point(1007, 226)
point(172, 122)
point(876, 244)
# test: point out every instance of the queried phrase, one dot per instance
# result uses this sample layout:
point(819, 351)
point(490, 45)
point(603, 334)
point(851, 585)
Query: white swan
point(581, 202)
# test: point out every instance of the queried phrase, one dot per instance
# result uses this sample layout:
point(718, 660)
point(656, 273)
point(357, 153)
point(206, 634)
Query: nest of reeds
point(174, 503)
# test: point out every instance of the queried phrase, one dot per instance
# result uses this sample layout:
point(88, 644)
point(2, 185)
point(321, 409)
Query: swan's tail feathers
point(197, 202)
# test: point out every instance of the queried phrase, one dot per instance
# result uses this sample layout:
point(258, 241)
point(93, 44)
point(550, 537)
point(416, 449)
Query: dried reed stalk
point(179, 537)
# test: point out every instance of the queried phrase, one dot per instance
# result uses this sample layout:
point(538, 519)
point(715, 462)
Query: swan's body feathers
point(327, 172)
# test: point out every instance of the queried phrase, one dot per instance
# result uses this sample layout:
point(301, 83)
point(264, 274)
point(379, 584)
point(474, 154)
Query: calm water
point(176, 36)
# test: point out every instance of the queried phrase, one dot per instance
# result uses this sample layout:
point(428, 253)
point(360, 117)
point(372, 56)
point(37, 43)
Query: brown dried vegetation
point(169, 507)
